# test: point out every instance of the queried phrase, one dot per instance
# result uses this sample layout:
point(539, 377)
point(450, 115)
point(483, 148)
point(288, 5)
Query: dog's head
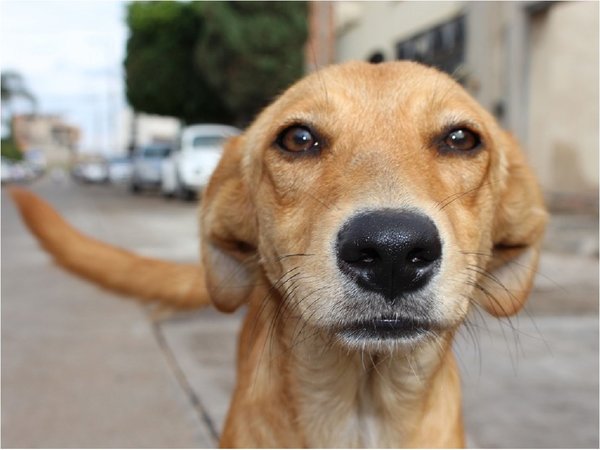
point(380, 201)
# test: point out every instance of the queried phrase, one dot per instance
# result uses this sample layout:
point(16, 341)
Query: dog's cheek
point(461, 238)
point(316, 285)
point(452, 295)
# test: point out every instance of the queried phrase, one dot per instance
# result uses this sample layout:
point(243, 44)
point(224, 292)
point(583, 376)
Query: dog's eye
point(462, 140)
point(297, 139)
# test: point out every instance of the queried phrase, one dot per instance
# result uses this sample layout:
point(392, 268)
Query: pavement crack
point(184, 383)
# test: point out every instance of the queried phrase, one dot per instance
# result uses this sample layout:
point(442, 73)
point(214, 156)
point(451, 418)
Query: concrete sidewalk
point(80, 367)
point(84, 368)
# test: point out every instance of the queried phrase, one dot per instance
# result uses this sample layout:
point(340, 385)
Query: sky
point(70, 54)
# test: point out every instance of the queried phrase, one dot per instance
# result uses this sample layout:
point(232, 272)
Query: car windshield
point(156, 152)
point(207, 141)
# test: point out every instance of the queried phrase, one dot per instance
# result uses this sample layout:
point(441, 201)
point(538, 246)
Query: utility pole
point(133, 133)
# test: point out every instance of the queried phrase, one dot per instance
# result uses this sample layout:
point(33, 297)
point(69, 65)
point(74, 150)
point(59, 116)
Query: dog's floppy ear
point(228, 232)
point(517, 236)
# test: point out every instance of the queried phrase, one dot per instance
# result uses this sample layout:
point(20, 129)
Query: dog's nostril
point(368, 256)
point(422, 256)
point(389, 251)
point(355, 254)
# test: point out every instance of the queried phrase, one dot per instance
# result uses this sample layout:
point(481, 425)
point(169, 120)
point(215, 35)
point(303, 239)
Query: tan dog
point(359, 217)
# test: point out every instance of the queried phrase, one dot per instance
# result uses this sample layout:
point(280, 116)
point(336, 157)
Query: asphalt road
point(84, 368)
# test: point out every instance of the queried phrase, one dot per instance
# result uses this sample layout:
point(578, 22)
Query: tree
point(161, 77)
point(13, 88)
point(212, 61)
point(10, 150)
point(251, 51)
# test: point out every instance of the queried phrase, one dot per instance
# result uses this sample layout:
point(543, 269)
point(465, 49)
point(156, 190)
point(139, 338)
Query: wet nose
point(388, 251)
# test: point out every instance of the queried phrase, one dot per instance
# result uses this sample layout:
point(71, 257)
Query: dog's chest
point(341, 425)
point(346, 410)
point(372, 427)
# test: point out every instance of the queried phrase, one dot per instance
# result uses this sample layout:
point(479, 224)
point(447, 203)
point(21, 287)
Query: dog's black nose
point(389, 251)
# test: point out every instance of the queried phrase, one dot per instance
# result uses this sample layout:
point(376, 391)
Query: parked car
point(36, 160)
point(94, 172)
point(17, 171)
point(146, 166)
point(7, 171)
point(188, 169)
point(119, 169)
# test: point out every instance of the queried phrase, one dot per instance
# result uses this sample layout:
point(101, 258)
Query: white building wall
point(367, 27)
point(148, 129)
point(563, 96)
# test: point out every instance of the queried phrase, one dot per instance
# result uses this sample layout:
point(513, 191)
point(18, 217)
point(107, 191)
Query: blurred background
point(114, 111)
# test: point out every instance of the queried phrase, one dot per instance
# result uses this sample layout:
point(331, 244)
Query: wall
point(563, 96)
point(49, 134)
point(367, 27)
point(148, 129)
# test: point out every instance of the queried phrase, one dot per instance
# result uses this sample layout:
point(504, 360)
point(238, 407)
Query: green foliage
point(12, 85)
point(251, 51)
point(212, 61)
point(10, 151)
point(160, 74)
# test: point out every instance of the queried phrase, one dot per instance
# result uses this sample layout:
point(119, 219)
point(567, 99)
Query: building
point(533, 64)
point(135, 130)
point(48, 134)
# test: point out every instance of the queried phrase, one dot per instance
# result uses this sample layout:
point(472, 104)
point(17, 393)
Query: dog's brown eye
point(462, 140)
point(297, 139)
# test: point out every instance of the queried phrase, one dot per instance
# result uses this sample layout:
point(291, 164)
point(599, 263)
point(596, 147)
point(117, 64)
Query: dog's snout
point(389, 251)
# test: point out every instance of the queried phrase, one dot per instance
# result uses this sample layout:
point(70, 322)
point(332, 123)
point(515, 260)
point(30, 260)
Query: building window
point(442, 46)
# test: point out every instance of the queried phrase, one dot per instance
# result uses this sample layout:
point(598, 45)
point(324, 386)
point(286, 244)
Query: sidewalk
point(84, 370)
point(81, 367)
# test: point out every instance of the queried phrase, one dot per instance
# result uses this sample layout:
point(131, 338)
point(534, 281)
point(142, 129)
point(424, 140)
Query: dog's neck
point(328, 396)
point(368, 399)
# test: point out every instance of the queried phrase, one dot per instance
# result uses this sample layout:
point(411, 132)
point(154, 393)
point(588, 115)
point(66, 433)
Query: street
point(82, 367)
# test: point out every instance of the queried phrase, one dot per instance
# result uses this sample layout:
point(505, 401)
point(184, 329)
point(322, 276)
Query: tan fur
point(177, 285)
point(268, 226)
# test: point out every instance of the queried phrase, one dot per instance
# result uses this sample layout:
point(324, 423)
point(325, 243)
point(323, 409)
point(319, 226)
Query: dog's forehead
point(372, 89)
point(390, 78)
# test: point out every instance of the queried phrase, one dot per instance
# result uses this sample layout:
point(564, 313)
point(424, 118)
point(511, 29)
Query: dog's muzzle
point(389, 252)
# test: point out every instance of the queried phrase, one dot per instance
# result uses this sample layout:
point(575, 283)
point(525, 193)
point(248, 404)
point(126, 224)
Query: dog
point(359, 218)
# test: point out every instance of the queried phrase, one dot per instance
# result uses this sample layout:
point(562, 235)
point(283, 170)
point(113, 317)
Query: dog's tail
point(172, 284)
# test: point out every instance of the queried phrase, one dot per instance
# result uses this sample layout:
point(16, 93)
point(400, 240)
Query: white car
point(94, 172)
point(187, 170)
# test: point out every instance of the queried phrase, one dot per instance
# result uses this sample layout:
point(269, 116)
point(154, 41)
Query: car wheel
point(189, 195)
point(184, 193)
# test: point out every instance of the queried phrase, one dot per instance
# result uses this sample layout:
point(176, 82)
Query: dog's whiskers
point(457, 196)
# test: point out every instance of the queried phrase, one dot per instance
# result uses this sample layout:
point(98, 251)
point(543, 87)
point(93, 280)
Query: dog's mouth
point(396, 328)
